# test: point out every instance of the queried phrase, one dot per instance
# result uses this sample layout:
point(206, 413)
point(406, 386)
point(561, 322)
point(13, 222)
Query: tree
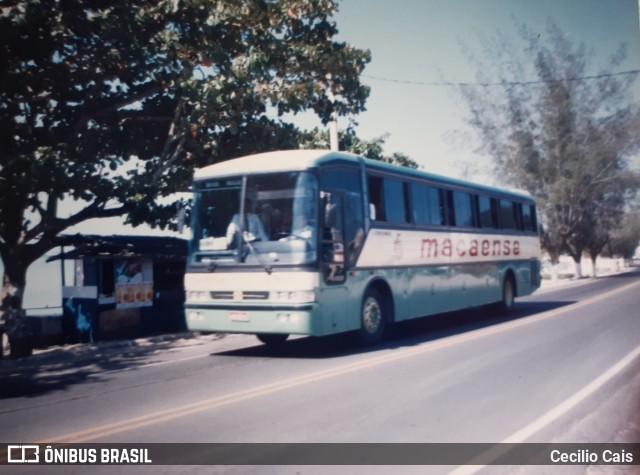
point(625, 240)
point(563, 136)
point(348, 141)
point(601, 223)
point(112, 104)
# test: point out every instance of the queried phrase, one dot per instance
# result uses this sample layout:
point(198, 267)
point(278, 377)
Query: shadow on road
point(403, 334)
point(67, 366)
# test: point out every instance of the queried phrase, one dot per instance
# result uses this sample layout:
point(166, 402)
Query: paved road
point(563, 368)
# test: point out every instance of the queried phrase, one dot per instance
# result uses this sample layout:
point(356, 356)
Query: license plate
point(239, 316)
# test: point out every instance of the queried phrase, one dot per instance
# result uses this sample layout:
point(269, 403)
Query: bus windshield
point(259, 220)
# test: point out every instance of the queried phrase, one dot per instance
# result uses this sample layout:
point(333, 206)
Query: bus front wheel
point(372, 318)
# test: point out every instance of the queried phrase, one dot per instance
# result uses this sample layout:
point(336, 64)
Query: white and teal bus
point(316, 242)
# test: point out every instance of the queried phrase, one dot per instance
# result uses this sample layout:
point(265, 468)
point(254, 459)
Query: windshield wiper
point(257, 255)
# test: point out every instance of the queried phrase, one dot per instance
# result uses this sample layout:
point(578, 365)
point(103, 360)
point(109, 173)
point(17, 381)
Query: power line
point(503, 83)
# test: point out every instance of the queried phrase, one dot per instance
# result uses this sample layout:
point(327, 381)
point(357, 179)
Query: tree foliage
point(113, 103)
point(561, 135)
point(625, 240)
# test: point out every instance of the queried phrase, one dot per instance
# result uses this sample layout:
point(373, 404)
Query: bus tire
point(273, 340)
point(373, 318)
point(505, 306)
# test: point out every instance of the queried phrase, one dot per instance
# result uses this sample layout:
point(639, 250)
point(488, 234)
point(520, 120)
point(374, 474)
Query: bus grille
point(246, 295)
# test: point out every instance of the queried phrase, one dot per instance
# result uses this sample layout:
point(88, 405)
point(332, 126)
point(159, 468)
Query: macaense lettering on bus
point(434, 247)
point(411, 248)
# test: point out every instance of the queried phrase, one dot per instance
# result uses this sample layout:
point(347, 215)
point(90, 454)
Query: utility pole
point(333, 124)
point(333, 133)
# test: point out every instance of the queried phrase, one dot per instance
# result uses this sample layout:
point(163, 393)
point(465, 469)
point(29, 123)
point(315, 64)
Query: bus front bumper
point(293, 320)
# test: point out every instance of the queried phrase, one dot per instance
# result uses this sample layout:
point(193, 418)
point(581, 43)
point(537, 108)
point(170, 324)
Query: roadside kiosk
point(124, 287)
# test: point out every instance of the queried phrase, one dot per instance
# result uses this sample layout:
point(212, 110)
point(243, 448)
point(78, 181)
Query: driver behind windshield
point(253, 229)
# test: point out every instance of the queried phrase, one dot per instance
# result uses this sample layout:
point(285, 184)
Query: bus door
point(333, 248)
point(342, 234)
point(334, 262)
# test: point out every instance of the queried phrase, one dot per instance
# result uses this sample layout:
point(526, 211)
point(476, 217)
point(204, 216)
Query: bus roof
point(296, 160)
point(285, 160)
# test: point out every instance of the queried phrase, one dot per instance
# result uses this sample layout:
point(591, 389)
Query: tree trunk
point(17, 258)
point(593, 264)
point(578, 268)
point(14, 281)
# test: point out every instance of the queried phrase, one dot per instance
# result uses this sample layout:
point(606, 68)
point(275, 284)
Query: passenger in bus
point(253, 228)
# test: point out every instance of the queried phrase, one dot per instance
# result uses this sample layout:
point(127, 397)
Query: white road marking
point(552, 415)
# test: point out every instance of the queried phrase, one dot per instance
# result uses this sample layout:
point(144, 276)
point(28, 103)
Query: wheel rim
point(371, 315)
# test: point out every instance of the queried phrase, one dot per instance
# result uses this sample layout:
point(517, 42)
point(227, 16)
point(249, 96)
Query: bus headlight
point(296, 296)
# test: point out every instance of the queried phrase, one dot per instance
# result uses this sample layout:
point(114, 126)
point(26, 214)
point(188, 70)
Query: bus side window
point(475, 211)
point(517, 210)
point(407, 202)
point(390, 199)
point(376, 197)
point(395, 201)
point(462, 208)
point(425, 205)
point(442, 205)
point(449, 217)
point(495, 213)
point(529, 217)
point(508, 215)
point(488, 212)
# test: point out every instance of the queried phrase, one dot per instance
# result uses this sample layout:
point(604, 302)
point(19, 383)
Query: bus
point(316, 242)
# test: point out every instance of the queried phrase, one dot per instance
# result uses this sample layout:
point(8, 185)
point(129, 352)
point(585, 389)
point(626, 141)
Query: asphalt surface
point(564, 367)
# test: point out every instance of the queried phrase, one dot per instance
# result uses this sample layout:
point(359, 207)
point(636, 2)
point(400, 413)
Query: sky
point(415, 48)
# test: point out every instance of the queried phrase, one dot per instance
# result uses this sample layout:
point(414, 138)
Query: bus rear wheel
point(505, 306)
point(272, 339)
point(372, 318)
